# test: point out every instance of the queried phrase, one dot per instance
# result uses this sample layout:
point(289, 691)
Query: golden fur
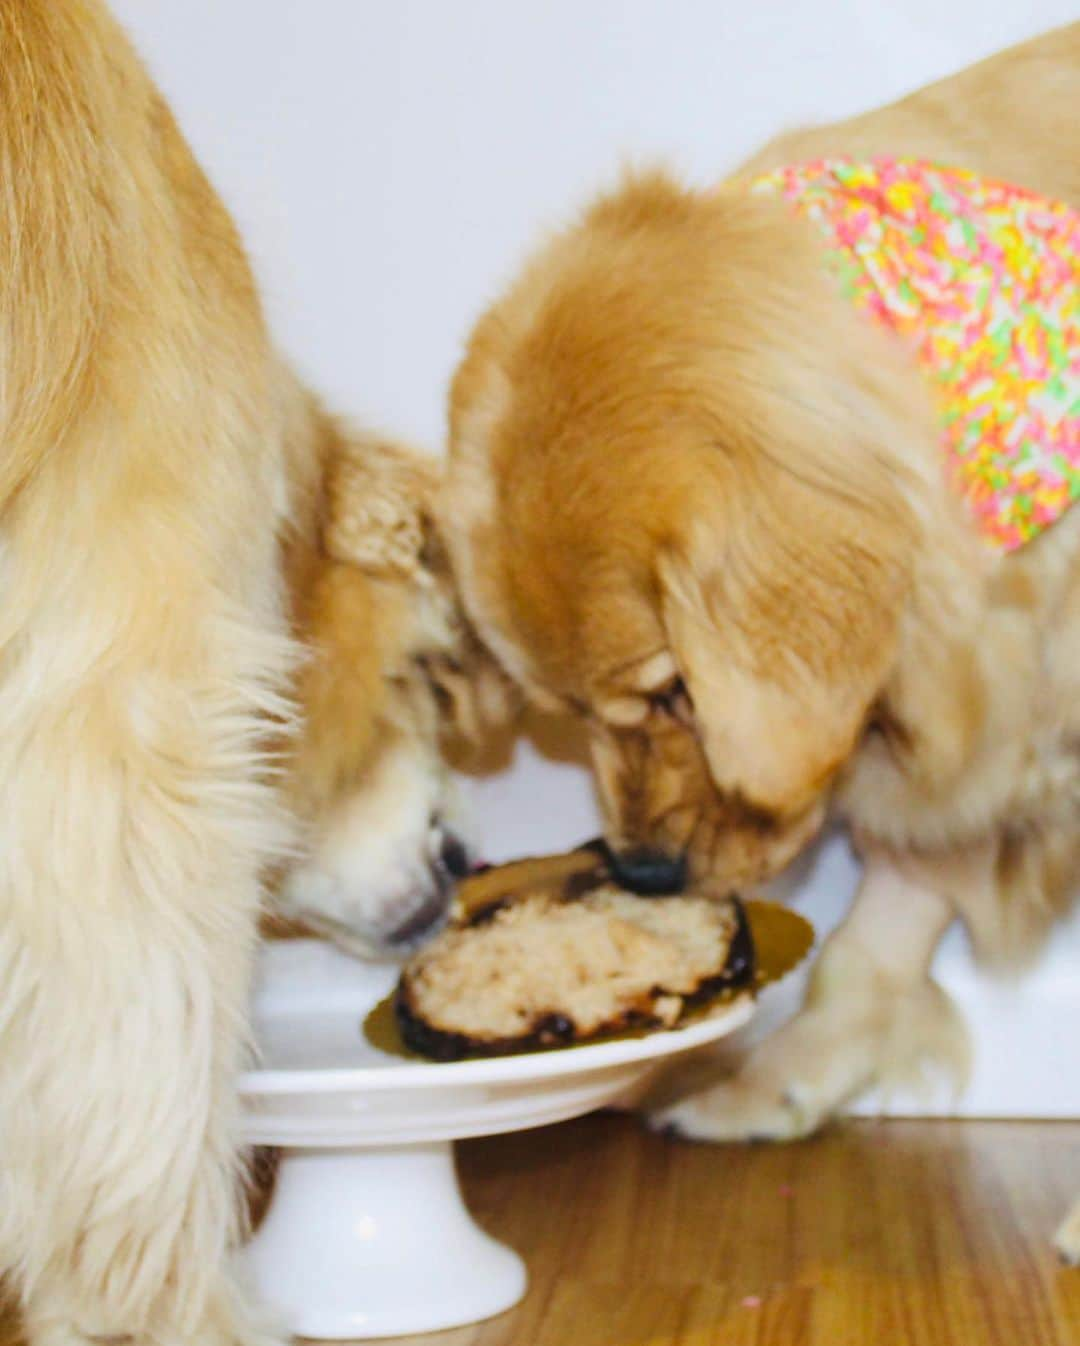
point(189, 547)
point(697, 499)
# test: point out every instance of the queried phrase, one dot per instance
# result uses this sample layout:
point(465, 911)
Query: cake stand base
point(377, 1242)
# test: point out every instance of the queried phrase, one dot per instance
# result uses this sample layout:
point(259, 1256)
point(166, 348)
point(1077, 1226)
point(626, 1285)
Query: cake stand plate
point(367, 1234)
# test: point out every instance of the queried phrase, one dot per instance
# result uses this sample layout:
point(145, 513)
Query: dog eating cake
point(551, 952)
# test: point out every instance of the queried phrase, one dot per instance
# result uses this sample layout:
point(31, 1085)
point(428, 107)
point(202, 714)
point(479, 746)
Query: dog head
point(392, 670)
point(676, 509)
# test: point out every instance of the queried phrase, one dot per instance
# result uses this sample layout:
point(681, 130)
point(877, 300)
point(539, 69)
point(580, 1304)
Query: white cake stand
point(367, 1234)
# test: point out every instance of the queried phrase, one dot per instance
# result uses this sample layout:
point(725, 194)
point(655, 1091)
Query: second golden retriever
point(697, 500)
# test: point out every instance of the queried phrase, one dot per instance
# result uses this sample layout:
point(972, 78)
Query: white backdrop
point(389, 162)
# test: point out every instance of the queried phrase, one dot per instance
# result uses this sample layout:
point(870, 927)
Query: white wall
point(389, 162)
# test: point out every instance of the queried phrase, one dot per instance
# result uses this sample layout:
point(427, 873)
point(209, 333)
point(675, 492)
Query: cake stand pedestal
point(376, 1243)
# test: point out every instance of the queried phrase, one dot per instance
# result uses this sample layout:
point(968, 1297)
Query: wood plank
point(894, 1233)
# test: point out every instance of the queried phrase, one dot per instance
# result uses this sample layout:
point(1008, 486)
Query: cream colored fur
point(216, 611)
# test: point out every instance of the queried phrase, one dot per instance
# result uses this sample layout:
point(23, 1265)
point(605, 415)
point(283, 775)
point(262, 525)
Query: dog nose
point(454, 855)
point(649, 873)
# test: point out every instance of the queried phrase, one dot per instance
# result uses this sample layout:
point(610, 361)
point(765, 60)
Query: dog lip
point(424, 920)
point(428, 915)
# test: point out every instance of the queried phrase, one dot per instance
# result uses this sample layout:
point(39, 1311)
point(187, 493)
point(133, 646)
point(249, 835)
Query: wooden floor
point(877, 1234)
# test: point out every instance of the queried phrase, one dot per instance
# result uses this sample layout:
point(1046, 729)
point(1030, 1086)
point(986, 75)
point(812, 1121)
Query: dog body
point(219, 629)
point(698, 499)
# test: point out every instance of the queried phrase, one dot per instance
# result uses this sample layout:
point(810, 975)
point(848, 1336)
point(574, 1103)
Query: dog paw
point(1067, 1238)
point(740, 1109)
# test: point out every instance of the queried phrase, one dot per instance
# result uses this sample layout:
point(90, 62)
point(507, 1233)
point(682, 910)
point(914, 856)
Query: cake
point(551, 952)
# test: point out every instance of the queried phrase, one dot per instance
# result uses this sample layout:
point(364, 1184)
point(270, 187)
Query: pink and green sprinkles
point(984, 279)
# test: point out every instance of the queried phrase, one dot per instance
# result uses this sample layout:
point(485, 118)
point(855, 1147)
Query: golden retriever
point(227, 630)
point(696, 498)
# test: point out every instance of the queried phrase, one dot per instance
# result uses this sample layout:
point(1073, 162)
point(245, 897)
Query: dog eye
point(674, 702)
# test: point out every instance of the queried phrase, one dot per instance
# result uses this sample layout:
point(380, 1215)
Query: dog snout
point(651, 873)
point(451, 860)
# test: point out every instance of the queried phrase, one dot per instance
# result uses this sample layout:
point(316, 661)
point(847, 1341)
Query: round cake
point(570, 959)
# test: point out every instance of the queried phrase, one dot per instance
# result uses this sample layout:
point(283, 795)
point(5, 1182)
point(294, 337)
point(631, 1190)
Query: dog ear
point(782, 611)
point(378, 503)
point(379, 516)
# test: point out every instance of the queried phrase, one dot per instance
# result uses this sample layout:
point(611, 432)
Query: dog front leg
point(872, 1017)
